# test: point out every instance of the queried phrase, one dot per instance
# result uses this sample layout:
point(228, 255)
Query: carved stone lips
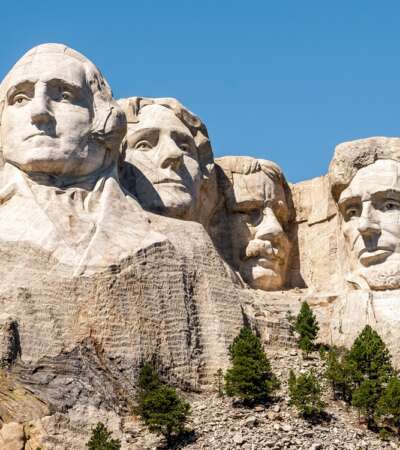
point(368, 257)
point(36, 134)
point(170, 181)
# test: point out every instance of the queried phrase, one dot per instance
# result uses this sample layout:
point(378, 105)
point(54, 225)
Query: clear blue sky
point(277, 79)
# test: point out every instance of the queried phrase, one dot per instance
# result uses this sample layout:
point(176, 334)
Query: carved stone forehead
point(62, 61)
point(382, 175)
point(46, 67)
point(160, 117)
point(256, 187)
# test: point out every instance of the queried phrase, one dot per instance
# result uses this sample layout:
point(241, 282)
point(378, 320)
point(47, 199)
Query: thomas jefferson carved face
point(164, 154)
point(258, 215)
point(47, 117)
point(370, 212)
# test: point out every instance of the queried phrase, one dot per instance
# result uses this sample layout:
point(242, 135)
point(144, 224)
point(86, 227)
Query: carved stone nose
point(39, 111)
point(171, 156)
point(367, 227)
point(270, 228)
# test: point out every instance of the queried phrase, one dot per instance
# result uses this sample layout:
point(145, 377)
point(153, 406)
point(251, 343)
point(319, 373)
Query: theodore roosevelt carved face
point(56, 113)
point(258, 215)
point(170, 156)
point(369, 209)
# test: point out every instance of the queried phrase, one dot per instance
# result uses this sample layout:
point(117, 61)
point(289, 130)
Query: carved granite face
point(370, 212)
point(258, 216)
point(164, 155)
point(47, 118)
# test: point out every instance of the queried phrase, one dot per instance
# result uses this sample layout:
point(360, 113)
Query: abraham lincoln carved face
point(368, 199)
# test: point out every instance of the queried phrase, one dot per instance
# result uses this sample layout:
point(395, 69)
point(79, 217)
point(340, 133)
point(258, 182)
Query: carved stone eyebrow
point(348, 200)
point(143, 133)
point(20, 85)
point(385, 192)
point(67, 84)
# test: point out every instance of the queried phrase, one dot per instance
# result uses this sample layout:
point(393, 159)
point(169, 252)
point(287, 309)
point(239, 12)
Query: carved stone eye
point(351, 213)
point(391, 206)
point(143, 145)
point(20, 99)
point(185, 147)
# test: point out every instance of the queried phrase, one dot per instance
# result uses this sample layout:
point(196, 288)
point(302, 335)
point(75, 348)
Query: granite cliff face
point(122, 240)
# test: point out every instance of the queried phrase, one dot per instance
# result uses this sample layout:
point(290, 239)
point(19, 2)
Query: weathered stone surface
point(314, 262)
point(12, 437)
point(251, 226)
point(92, 285)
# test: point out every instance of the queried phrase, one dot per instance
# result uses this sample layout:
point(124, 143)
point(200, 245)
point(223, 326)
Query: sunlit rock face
point(168, 159)
point(91, 282)
point(61, 132)
point(258, 212)
point(365, 181)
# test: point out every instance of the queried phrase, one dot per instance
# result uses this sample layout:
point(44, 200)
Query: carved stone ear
point(109, 126)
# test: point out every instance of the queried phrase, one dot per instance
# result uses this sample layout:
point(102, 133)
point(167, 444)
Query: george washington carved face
point(49, 111)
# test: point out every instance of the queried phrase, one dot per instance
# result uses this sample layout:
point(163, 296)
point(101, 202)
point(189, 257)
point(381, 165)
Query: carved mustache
point(265, 249)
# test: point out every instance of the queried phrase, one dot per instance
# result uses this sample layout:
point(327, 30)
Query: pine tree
point(250, 378)
point(307, 327)
point(305, 394)
point(159, 405)
point(370, 357)
point(365, 398)
point(389, 405)
point(372, 370)
point(219, 382)
point(339, 372)
point(101, 439)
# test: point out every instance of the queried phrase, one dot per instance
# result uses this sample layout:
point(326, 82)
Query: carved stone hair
point(352, 156)
point(109, 123)
point(133, 105)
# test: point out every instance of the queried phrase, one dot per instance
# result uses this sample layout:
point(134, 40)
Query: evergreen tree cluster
point(250, 378)
point(159, 405)
point(364, 377)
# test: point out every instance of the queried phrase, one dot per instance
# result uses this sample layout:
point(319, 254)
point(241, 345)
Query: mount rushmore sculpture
point(123, 240)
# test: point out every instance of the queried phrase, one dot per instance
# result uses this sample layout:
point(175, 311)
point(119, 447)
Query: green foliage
point(359, 376)
point(250, 378)
point(219, 382)
point(389, 404)
point(101, 439)
point(371, 358)
point(365, 398)
point(307, 327)
point(372, 370)
point(159, 405)
point(305, 394)
point(339, 372)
